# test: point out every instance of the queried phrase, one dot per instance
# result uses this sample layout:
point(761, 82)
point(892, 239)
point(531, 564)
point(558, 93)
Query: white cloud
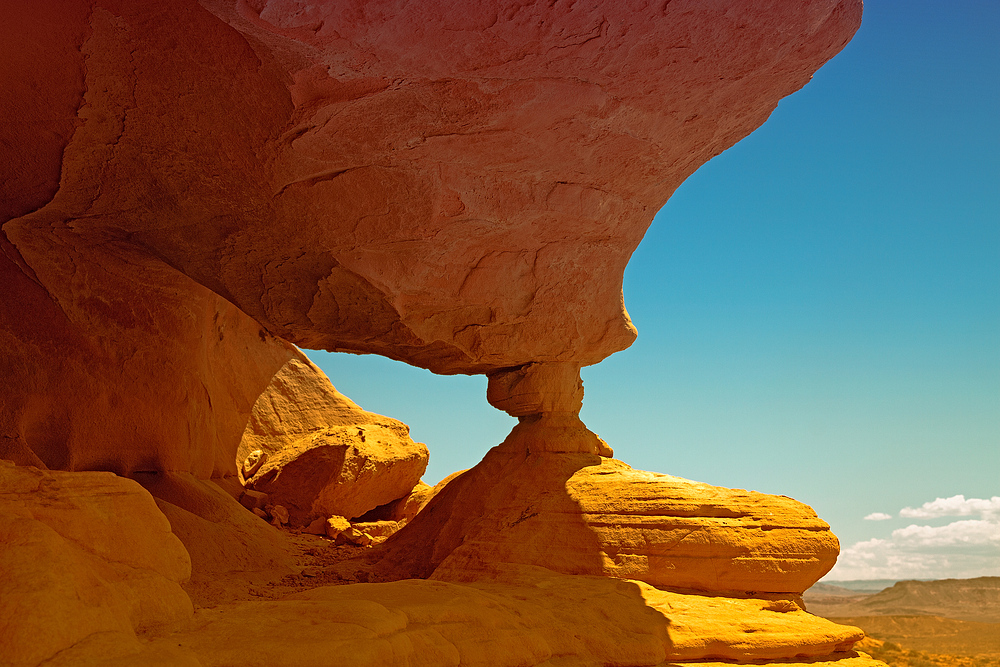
point(878, 516)
point(970, 532)
point(954, 506)
point(960, 549)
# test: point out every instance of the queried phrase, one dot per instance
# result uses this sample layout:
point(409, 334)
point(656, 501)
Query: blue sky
point(818, 310)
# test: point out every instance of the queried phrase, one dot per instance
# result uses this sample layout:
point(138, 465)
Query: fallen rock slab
point(322, 454)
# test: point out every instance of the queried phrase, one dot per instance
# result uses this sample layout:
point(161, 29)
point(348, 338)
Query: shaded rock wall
point(113, 362)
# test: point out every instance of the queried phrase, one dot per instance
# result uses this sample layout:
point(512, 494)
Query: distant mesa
point(976, 599)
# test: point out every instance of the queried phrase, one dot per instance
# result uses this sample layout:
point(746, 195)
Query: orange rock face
point(583, 514)
point(186, 185)
point(83, 555)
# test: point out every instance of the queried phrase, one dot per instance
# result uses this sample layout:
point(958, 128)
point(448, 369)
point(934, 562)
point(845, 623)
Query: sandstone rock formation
point(584, 514)
point(324, 455)
point(457, 185)
point(83, 556)
point(188, 187)
point(230, 548)
point(526, 616)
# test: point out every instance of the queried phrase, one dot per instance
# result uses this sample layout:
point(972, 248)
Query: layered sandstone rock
point(84, 557)
point(584, 514)
point(324, 455)
point(455, 185)
point(547, 496)
point(115, 363)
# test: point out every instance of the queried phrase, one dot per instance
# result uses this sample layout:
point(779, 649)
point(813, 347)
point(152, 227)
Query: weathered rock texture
point(113, 365)
point(457, 185)
point(527, 616)
point(230, 548)
point(83, 556)
point(186, 185)
point(584, 514)
point(325, 455)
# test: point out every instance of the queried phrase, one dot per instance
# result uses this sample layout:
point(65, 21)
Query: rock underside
point(191, 189)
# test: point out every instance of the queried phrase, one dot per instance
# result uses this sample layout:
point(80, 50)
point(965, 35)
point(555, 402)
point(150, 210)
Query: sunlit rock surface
point(324, 454)
point(83, 555)
point(189, 188)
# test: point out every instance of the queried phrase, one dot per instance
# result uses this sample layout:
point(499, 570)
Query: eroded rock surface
point(187, 185)
point(324, 455)
point(83, 556)
point(525, 616)
point(457, 185)
point(231, 549)
point(584, 514)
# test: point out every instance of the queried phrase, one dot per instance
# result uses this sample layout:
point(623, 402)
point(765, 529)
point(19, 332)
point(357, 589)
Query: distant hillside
point(931, 634)
point(824, 590)
point(962, 599)
point(863, 585)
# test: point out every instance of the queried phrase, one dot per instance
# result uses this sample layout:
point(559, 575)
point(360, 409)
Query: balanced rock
point(324, 454)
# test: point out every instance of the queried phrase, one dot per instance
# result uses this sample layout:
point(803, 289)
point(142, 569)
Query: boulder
point(253, 499)
point(378, 529)
point(316, 527)
point(279, 516)
point(83, 555)
point(324, 455)
point(353, 536)
point(336, 525)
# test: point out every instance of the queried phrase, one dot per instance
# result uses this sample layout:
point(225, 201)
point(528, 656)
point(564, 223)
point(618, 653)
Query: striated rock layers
point(324, 455)
point(583, 514)
point(526, 616)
